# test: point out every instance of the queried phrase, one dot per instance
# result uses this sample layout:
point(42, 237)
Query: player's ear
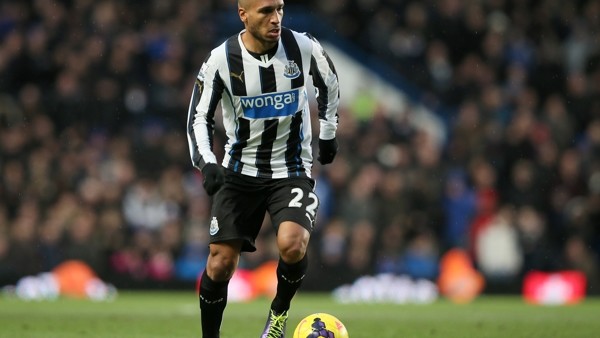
point(243, 15)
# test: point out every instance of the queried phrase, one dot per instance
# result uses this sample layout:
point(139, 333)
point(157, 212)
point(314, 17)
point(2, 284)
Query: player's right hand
point(213, 178)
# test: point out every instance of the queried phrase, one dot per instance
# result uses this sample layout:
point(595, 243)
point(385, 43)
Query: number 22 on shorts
point(311, 207)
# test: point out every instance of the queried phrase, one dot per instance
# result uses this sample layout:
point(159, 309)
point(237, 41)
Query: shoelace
point(277, 324)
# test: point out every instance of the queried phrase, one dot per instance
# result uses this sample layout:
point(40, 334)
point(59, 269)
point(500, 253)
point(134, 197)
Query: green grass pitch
point(176, 314)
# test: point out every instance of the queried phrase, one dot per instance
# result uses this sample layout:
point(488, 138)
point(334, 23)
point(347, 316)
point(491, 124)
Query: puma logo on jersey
point(237, 76)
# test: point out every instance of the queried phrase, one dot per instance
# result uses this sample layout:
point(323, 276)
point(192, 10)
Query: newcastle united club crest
point(291, 70)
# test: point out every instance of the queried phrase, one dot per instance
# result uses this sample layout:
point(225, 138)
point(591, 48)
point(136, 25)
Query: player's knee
point(293, 252)
point(292, 241)
point(221, 266)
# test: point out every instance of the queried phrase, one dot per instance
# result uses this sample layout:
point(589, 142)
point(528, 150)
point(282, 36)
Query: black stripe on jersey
point(330, 63)
point(235, 153)
point(236, 66)
point(293, 152)
point(196, 158)
point(268, 83)
point(215, 96)
point(323, 97)
point(263, 153)
point(292, 51)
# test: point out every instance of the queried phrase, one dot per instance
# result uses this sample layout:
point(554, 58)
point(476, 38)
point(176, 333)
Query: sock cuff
point(293, 271)
point(207, 283)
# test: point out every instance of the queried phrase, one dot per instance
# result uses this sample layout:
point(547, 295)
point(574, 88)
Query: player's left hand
point(327, 150)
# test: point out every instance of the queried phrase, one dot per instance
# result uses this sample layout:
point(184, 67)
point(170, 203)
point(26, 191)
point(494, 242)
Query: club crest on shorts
point(291, 70)
point(214, 226)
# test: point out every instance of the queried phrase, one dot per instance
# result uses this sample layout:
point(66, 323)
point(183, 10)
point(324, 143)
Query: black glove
point(213, 178)
point(327, 150)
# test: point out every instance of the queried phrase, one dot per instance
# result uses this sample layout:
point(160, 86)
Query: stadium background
point(94, 163)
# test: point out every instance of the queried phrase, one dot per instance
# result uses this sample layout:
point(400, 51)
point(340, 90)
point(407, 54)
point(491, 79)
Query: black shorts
point(239, 207)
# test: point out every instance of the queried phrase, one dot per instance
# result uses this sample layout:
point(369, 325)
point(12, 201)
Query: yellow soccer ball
point(320, 325)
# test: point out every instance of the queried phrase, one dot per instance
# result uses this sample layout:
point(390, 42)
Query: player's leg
point(220, 266)
point(237, 214)
point(292, 241)
point(292, 206)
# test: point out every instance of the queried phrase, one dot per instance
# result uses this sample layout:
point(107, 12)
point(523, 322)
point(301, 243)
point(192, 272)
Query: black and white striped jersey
point(265, 106)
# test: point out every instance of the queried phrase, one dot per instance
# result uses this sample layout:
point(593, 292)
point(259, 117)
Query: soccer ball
point(320, 325)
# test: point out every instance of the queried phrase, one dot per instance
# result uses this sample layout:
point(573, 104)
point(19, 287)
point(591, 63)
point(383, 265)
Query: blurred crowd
point(94, 163)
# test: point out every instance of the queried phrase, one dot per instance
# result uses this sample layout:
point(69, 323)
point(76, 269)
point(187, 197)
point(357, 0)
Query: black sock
point(213, 299)
point(289, 279)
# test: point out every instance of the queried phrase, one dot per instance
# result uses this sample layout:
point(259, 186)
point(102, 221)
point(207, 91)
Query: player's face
point(262, 19)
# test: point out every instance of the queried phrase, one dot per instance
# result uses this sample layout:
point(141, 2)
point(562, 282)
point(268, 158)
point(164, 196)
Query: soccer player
point(260, 76)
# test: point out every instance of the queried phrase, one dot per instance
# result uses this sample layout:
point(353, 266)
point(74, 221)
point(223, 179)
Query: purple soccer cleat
point(275, 326)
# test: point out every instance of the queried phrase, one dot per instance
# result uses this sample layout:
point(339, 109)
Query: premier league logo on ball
point(320, 325)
